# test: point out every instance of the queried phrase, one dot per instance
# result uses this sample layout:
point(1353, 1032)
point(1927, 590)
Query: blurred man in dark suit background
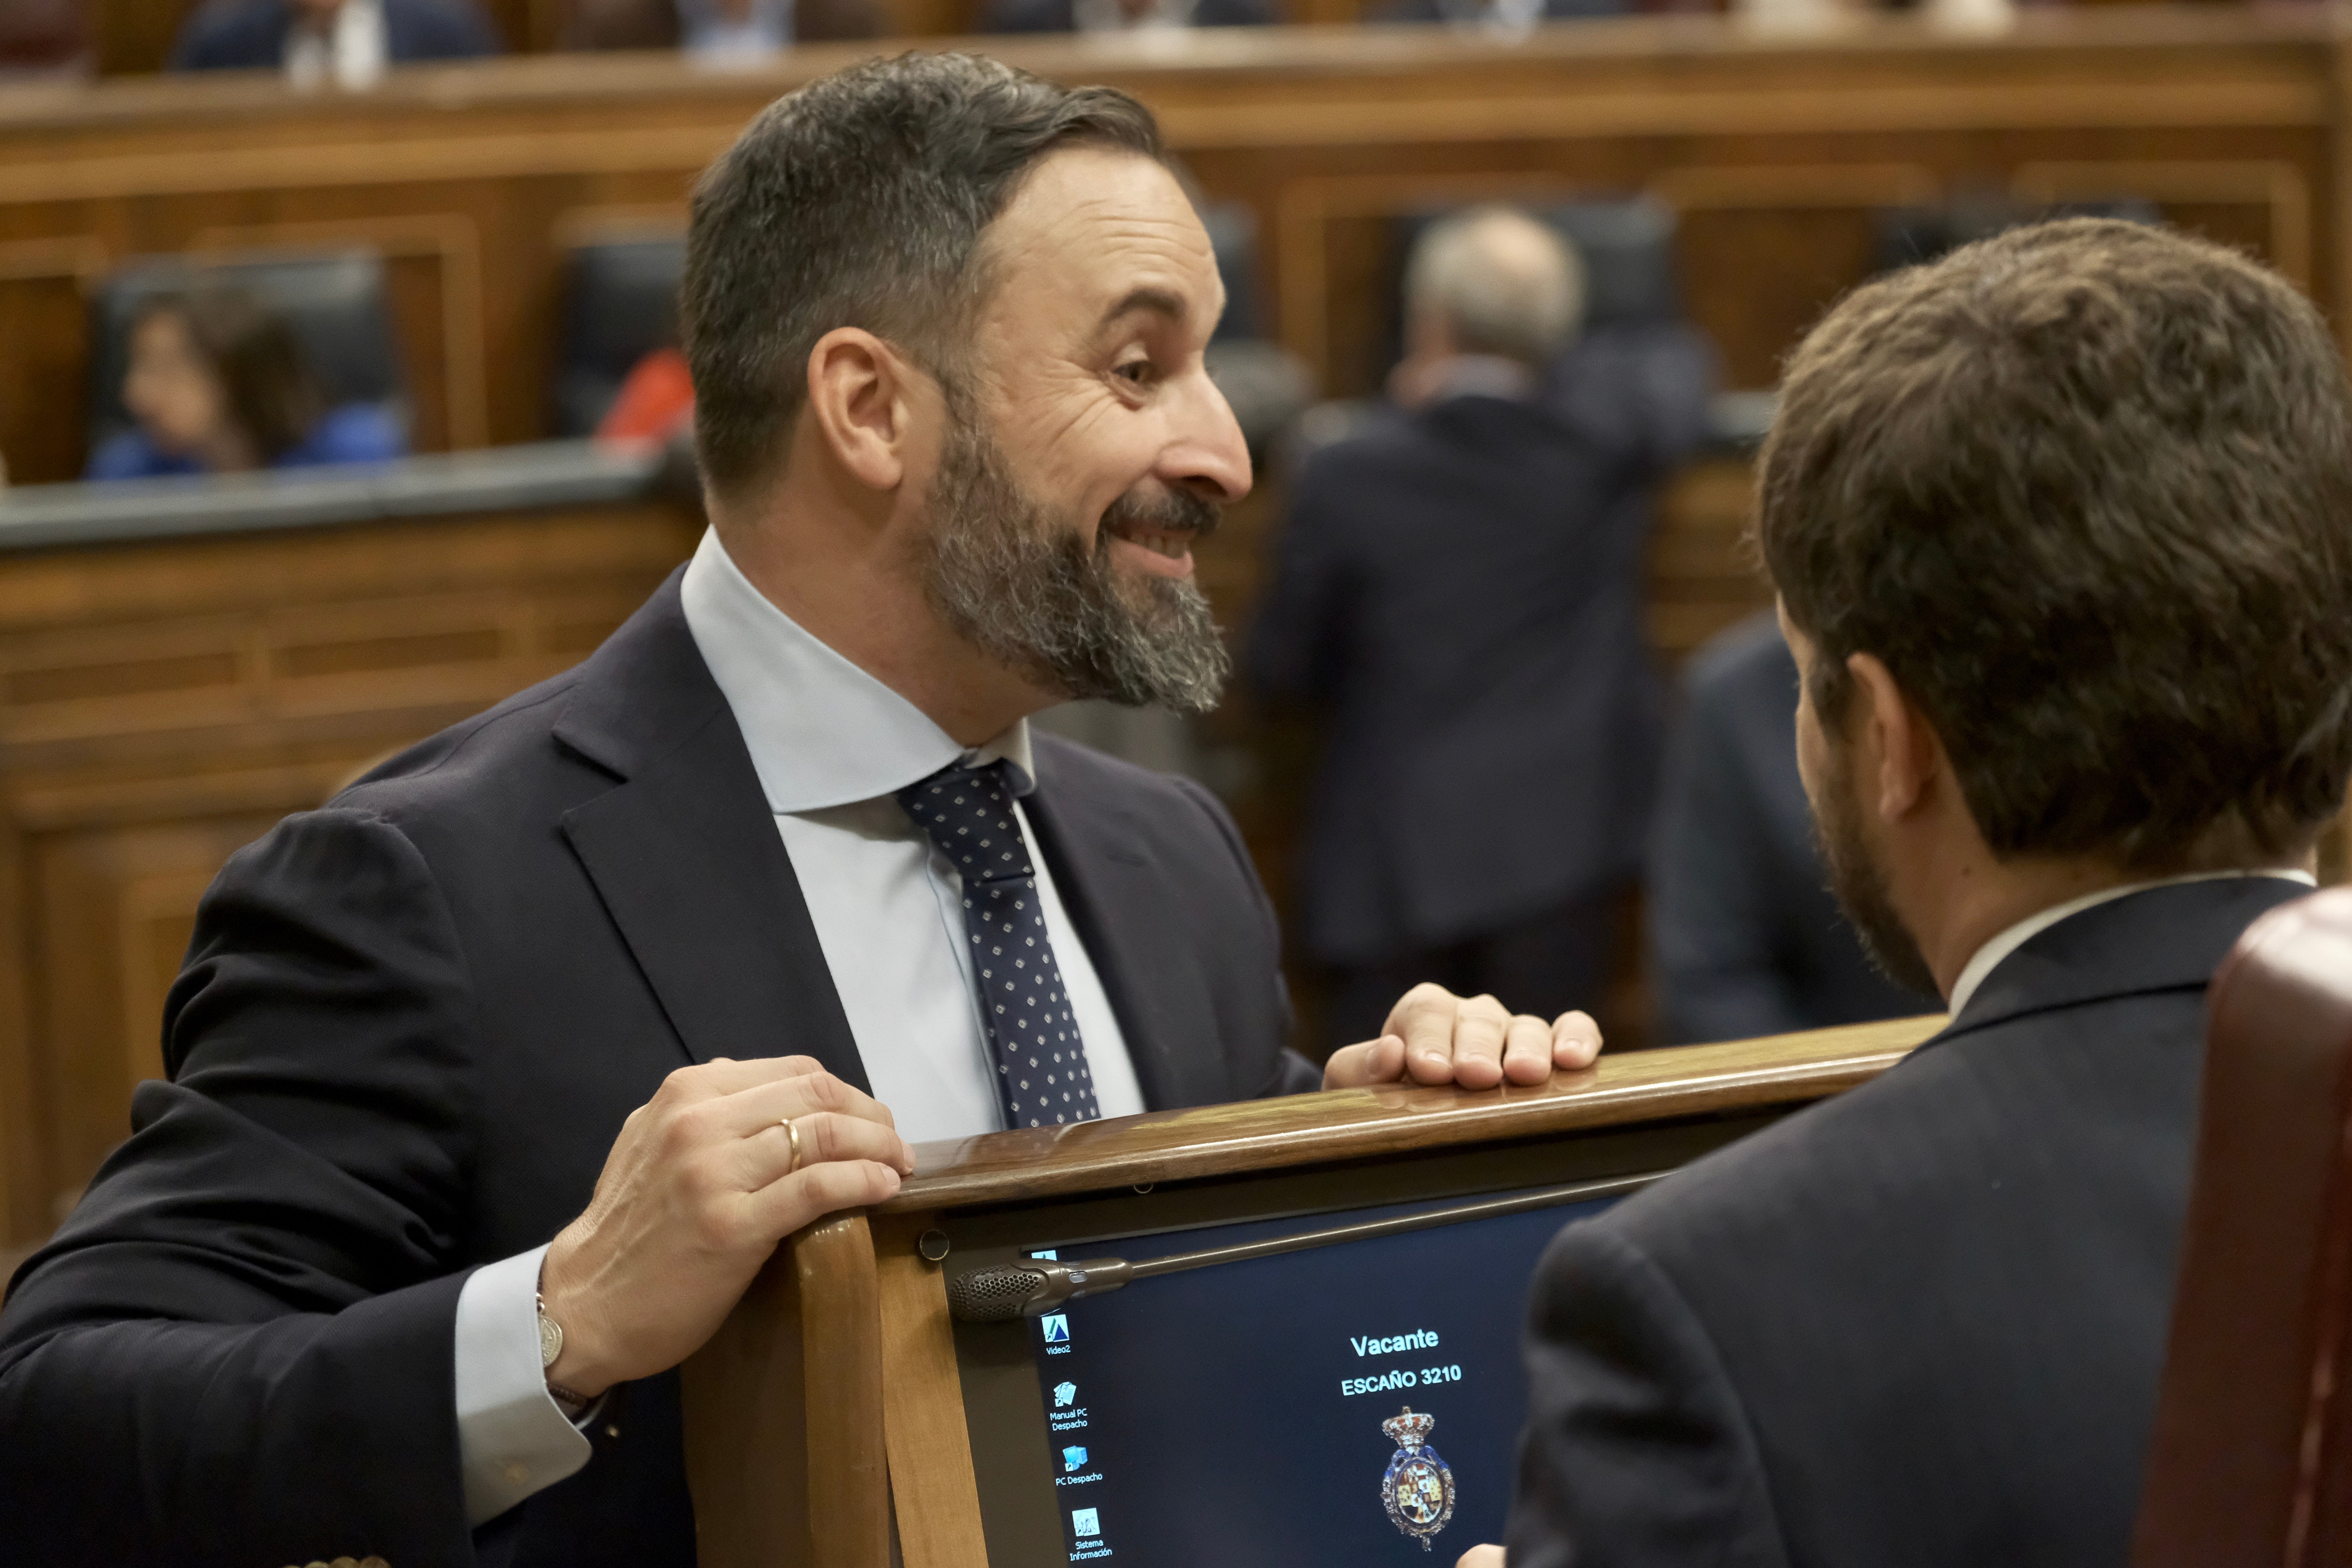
point(1459, 590)
point(720, 29)
point(2061, 528)
point(348, 40)
point(1746, 938)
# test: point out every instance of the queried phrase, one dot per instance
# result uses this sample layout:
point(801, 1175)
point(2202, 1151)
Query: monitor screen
point(1353, 1404)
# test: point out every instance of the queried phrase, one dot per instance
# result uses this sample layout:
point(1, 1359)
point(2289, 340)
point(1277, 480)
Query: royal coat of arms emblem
point(1418, 1489)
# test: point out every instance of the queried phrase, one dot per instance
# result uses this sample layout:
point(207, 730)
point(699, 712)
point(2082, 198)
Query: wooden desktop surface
point(1777, 151)
point(1368, 1123)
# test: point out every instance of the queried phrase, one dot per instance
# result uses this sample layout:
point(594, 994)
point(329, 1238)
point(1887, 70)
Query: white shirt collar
point(353, 52)
point(1988, 958)
point(821, 731)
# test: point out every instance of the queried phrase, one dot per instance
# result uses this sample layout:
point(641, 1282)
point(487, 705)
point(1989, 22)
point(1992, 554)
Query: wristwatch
point(551, 1335)
point(550, 1345)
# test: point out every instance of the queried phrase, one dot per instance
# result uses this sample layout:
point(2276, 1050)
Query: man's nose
point(1205, 453)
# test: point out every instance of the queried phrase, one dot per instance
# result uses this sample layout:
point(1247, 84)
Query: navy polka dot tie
point(1041, 1063)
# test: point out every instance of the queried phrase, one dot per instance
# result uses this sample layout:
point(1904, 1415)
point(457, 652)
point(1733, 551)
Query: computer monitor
point(1354, 1402)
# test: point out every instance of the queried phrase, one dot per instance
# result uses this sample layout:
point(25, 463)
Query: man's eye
point(1137, 372)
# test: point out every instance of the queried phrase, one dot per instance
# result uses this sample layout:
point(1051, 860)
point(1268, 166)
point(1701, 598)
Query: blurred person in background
point(1507, 17)
point(1459, 590)
point(1746, 937)
point(1123, 15)
point(655, 405)
point(350, 41)
point(720, 30)
point(217, 384)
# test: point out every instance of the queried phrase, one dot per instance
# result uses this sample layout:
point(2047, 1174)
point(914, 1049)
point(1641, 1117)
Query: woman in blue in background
point(218, 384)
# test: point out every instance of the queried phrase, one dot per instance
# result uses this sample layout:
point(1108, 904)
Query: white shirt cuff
point(513, 1437)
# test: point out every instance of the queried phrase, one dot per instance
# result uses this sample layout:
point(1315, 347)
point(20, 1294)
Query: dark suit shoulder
point(232, 35)
point(1942, 1130)
point(2007, 1201)
point(476, 761)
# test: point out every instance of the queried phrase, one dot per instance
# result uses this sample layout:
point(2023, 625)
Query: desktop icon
point(1057, 1328)
point(1073, 1459)
point(1084, 1522)
point(1065, 1396)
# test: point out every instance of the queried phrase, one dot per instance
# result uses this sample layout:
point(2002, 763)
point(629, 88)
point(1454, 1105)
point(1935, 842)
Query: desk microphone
point(1004, 1291)
point(999, 1293)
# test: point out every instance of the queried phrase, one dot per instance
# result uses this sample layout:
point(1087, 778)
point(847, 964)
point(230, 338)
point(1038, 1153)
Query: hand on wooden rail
point(698, 1190)
point(1433, 1036)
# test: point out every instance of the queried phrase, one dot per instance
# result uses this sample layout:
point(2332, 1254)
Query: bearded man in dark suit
point(671, 955)
point(2061, 528)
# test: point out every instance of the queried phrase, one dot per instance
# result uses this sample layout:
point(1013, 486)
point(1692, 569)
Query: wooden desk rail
point(1368, 1123)
point(830, 1400)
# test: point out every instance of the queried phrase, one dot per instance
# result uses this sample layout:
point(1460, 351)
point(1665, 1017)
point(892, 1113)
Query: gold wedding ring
point(794, 1134)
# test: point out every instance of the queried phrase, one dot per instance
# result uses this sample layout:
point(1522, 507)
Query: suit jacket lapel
point(685, 854)
point(1118, 902)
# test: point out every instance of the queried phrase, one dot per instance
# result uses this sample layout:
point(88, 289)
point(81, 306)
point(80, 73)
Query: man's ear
point(860, 407)
point(1896, 745)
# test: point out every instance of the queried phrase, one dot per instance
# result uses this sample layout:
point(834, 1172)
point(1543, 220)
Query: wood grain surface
point(935, 1498)
point(1359, 1123)
point(841, 1345)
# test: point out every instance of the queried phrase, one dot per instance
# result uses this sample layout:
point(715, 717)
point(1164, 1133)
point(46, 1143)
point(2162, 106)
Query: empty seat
point(620, 304)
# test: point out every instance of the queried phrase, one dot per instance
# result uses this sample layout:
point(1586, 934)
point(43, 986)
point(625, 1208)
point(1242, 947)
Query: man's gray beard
point(1020, 583)
point(1860, 885)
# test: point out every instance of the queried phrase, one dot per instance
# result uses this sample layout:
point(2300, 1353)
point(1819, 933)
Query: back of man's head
point(1499, 282)
point(860, 201)
point(2086, 489)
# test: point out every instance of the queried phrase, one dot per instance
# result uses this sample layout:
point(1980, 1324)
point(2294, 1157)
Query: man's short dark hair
point(859, 201)
point(2086, 489)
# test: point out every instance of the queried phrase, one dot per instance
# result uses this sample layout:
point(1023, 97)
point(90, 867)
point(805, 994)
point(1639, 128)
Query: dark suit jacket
point(410, 1028)
point(1553, 10)
point(1060, 16)
point(1461, 590)
point(1744, 939)
point(250, 35)
point(1919, 1326)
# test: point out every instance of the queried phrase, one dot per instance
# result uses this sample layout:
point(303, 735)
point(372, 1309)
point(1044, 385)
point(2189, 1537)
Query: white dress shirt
point(353, 51)
point(709, 35)
point(832, 746)
point(1986, 959)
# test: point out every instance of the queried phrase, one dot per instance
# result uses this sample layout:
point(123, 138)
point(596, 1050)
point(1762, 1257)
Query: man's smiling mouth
point(1173, 543)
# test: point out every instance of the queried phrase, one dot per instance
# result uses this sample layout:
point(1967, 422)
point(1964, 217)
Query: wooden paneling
point(163, 703)
point(134, 36)
point(1776, 150)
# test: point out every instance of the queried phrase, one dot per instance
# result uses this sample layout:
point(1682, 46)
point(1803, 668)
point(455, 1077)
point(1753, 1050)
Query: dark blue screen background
point(1211, 1404)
